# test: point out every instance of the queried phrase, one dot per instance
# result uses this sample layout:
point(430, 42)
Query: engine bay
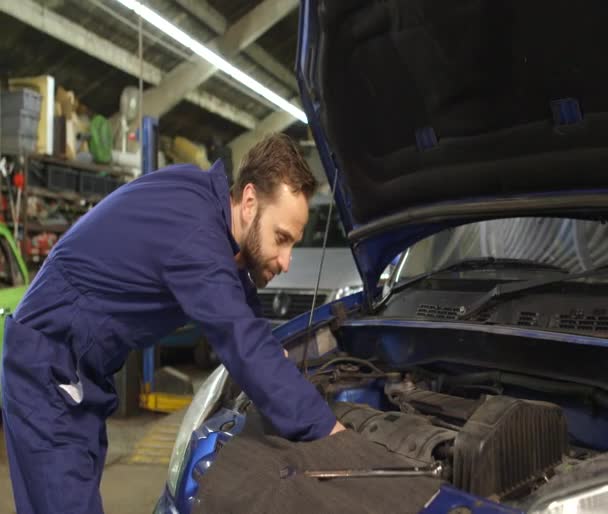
point(508, 418)
point(488, 414)
point(486, 443)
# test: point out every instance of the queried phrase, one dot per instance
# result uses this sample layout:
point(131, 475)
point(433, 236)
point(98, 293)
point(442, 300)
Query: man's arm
point(253, 300)
point(202, 275)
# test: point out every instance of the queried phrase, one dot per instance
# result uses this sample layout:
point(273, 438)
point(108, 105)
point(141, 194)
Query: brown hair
point(273, 161)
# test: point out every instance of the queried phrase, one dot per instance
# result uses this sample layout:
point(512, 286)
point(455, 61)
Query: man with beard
point(169, 247)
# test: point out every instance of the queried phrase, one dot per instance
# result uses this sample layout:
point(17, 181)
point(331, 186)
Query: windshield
point(574, 245)
point(315, 229)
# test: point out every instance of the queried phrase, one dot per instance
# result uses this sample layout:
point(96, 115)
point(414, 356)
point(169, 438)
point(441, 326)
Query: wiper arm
point(471, 264)
point(501, 291)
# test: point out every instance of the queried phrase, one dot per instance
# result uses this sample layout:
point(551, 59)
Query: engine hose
point(356, 360)
point(596, 395)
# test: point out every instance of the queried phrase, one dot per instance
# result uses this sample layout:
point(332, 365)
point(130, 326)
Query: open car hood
point(437, 113)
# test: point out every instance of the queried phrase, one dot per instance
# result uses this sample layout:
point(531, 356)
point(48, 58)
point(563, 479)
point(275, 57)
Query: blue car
point(471, 139)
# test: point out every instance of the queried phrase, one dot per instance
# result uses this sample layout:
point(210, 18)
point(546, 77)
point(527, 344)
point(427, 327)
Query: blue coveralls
point(153, 255)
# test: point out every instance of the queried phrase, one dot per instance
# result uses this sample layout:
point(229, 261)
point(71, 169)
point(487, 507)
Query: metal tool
point(433, 470)
point(6, 170)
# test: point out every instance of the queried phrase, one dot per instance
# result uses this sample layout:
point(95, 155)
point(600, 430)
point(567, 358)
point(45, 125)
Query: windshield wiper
point(472, 264)
point(502, 291)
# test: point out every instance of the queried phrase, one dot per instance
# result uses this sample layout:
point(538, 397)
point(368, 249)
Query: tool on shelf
point(18, 181)
point(5, 171)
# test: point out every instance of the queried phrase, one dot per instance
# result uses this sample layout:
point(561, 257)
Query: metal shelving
point(76, 186)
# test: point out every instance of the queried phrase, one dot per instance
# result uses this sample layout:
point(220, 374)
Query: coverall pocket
point(25, 371)
point(72, 391)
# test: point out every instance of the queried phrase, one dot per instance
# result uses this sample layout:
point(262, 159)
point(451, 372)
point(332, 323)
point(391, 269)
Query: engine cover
point(410, 435)
point(505, 444)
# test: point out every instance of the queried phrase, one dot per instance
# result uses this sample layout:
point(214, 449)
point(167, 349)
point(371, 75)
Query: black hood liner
point(483, 75)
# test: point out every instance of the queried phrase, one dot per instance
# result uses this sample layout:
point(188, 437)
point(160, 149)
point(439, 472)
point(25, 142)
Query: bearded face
point(268, 240)
point(251, 251)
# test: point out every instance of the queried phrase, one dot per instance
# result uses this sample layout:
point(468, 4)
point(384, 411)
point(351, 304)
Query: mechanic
point(171, 246)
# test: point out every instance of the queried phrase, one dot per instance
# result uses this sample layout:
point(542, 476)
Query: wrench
point(434, 470)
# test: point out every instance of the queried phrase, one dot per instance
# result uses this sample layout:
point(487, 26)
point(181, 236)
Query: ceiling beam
point(254, 24)
point(206, 13)
point(275, 122)
point(190, 74)
point(51, 23)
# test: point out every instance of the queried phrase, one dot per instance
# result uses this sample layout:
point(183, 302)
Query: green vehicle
point(14, 278)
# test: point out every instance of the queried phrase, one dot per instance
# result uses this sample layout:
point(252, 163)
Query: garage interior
point(444, 318)
point(76, 79)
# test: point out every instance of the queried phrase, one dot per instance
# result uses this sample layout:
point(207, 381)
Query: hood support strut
point(314, 296)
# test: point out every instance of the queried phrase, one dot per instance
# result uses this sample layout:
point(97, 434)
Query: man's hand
point(338, 427)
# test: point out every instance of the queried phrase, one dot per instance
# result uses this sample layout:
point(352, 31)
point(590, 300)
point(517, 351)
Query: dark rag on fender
point(245, 477)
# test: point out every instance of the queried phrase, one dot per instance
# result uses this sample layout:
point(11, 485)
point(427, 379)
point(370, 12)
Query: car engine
point(491, 445)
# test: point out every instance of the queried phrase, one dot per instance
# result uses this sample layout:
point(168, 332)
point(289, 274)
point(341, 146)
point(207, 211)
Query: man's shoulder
point(181, 181)
point(187, 173)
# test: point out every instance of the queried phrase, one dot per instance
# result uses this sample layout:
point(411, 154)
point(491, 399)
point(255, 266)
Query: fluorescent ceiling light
point(219, 62)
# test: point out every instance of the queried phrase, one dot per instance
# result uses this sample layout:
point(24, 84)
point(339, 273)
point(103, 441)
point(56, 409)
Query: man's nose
point(284, 260)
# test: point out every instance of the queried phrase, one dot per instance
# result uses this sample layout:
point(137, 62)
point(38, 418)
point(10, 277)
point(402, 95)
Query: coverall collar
point(222, 191)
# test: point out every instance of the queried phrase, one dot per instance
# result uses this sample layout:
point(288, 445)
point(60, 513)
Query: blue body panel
point(478, 327)
point(372, 395)
point(450, 498)
point(204, 443)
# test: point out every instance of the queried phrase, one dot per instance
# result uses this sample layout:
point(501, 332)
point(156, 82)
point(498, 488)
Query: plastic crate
point(17, 144)
point(13, 102)
point(61, 179)
point(92, 183)
point(112, 184)
point(36, 174)
point(24, 122)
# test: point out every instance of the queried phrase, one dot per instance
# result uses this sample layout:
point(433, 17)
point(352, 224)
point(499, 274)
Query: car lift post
point(149, 163)
point(149, 398)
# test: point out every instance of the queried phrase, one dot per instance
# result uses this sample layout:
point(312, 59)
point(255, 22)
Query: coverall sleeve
point(202, 275)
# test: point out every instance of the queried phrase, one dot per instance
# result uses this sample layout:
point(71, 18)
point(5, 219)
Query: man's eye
point(282, 239)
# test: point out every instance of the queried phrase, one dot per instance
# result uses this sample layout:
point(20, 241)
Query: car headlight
point(347, 291)
point(589, 501)
point(202, 406)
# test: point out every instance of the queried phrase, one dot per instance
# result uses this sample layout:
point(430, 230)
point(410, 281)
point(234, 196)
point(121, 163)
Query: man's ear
point(249, 204)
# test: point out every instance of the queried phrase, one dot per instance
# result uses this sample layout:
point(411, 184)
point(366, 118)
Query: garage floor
point(136, 467)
